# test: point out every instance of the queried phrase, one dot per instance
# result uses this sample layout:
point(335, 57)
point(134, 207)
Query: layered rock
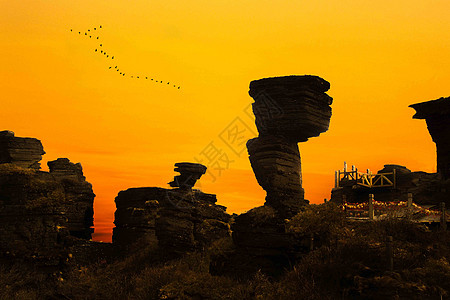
point(189, 174)
point(295, 107)
point(79, 205)
point(277, 167)
point(437, 116)
point(38, 210)
point(287, 110)
point(33, 223)
point(23, 152)
point(176, 220)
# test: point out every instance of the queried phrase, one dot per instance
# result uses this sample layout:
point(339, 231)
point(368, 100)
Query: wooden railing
point(354, 177)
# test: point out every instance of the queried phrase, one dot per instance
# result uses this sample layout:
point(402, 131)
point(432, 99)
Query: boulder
point(189, 174)
point(437, 116)
point(23, 152)
point(295, 107)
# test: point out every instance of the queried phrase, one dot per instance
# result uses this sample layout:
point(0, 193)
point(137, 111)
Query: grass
point(348, 262)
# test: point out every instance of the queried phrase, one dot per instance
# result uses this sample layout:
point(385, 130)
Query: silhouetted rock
point(261, 244)
point(189, 174)
point(437, 115)
point(38, 210)
point(288, 110)
point(277, 167)
point(295, 107)
point(79, 205)
point(23, 152)
point(177, 220)
point(33, 223)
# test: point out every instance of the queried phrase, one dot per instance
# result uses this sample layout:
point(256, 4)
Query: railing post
point(390, 253)
point(336, 178)
point(409, 205)
point(443, 217)
point(395, 178)
point(371, 206)
point(345, 166)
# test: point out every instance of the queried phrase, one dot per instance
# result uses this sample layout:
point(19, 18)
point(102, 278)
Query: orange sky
point(379, 56)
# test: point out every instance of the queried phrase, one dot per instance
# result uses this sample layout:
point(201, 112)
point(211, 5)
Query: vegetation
point(348, 262)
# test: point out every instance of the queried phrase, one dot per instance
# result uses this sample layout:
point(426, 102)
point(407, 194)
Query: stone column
point(288, 110)
point(437, 115)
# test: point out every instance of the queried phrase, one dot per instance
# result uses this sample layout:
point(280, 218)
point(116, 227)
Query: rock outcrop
point(288, 110)
point(32, 222)
point(176, 220)
point(23, 152)
point(189, 174)
point(39, 210)
point(437, 115)
point(79, 204)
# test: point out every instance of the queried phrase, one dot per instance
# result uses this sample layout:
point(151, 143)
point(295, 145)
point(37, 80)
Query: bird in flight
point(112, 57)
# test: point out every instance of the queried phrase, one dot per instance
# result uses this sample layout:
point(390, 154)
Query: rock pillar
point(437, 115)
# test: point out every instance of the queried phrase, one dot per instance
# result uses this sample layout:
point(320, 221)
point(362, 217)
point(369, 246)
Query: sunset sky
point(379, 56)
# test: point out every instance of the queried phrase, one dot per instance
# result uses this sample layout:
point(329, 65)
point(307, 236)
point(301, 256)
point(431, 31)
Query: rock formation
point(437, 115)
point(189, 174)
point(38, 210)
point(79, 205)
point(23, 152)
point(32, 222)
point(177, 220)
point(288, 110)
point(295, 107)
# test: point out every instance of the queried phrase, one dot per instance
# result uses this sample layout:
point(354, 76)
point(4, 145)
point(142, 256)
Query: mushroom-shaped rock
point(189, 174)
point(437, 115)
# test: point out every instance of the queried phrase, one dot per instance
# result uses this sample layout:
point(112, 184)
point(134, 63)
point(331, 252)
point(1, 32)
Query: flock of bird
point(94, 33)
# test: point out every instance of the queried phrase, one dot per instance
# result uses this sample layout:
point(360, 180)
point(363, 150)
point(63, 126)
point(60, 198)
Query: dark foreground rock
point(287, 110)
point(33, 224)
point(40, 210)
point(437, 115)
point(79, 204)
point(176, 220)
